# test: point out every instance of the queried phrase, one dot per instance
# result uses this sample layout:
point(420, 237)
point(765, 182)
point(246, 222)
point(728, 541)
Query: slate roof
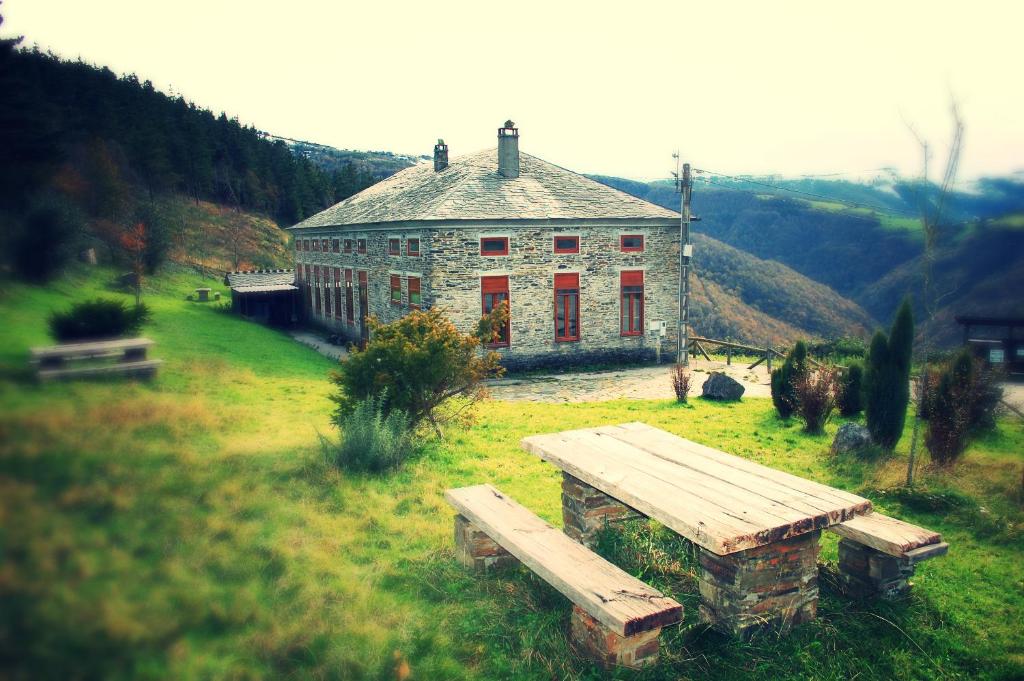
point(249, 281)
point(471, 189)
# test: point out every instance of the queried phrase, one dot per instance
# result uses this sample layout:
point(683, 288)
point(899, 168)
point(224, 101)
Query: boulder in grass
point(851, 437)
point(720, 387)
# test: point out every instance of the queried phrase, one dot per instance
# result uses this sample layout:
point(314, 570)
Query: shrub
point(96, 319)
point(681, 382)
point(371, 441)
point(850, 396)
point(44, 242)
point(961, 400)
point(887, 380)
point(418, 364)
point(784, 380)
point(816, 397)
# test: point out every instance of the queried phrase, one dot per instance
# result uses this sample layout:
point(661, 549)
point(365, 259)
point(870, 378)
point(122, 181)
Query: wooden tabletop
point(716, 500)
point(91, 347)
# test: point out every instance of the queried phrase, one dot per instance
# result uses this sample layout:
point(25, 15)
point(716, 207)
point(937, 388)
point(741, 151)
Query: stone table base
point(586, 510)
point(770, 587)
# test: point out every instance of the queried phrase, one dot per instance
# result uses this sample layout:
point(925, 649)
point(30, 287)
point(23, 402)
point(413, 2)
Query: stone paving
point(643, 383)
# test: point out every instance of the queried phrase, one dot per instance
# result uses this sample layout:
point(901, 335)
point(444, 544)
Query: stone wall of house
point(378, 265)
point(451, 268)
point(531, 266)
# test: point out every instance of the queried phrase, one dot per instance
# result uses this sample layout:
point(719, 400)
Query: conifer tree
point(887, 379)
point(784, 380)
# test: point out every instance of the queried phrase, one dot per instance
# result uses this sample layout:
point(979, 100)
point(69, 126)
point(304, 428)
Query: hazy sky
point(814, 87)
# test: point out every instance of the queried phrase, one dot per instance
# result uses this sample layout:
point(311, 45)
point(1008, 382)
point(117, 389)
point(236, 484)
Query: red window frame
point(503, 240)
point(335, 246)
point(361, 245)
point(575, 248)
point(408, 246)
point(316, 245)
point(298, 244)
point(324, 245)
point(567, 307)
point(346, 245)
point(394, 246)
point(337, 293)
point(631, 249)
point(494, 291)
point(305, 244)
point(631, 303)
point(308, 287)
point(316, 287)
point(349, 302)
point(396, 287)
point(415, 296)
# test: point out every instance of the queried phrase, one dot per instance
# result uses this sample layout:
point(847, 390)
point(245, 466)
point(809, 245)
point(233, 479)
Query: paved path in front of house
point(319, 344)
point(643, 383)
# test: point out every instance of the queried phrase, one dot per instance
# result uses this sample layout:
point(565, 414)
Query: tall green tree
point(887, 379)
point(785, 378)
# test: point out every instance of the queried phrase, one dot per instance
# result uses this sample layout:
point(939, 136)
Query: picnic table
point(129, 355)
point(756, 529)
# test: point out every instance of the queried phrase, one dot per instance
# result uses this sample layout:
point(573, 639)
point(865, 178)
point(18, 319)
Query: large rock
point(851, 437)
point(721, 387)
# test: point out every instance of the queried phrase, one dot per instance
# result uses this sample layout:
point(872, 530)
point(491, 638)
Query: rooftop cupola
point(440, 156)
point(508, 150)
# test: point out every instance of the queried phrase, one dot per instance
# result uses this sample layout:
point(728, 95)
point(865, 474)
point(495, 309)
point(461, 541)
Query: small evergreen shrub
point(681, 382)
point(784, 380)
point(816, 398)
point(887, 380)
point(850, 398)
point(371, 441)
point(961, 400)
point(97, 319)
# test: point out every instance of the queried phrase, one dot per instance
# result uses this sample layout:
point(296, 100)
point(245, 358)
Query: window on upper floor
point(412, 246)
point(335, 246)
point(361, 245)
point(494, 245)
point(567, 244)
point(631, 243)
point(394, 246)
point(346, 245)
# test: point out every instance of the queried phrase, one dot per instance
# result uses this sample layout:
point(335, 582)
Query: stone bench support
point(608, 648)
point(771, 587)
point(866, 572)
point(586, 510)
point(476, 550)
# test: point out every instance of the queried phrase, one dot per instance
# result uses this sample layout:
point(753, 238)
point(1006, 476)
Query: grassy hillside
point(190, 529)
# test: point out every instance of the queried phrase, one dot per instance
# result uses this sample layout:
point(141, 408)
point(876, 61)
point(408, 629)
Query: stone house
point(586, 270)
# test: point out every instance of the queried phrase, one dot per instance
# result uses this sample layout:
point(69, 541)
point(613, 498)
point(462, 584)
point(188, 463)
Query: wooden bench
point(130, 352)
point(616, 618)
point(878, 554)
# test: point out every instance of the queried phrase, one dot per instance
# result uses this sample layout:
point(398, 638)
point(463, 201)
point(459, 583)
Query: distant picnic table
point(129, 354)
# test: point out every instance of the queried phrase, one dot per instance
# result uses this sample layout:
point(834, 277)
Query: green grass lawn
point(189, 529)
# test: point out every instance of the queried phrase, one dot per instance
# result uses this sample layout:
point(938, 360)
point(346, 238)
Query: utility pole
point(683, 186)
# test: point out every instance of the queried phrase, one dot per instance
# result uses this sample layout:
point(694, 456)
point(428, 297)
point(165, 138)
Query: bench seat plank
point(888, 535)
point(90, 349)
point(618, 600)
point(143, 367)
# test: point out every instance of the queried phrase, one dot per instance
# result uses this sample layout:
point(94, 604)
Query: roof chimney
point(508, 150)
point(440, 156)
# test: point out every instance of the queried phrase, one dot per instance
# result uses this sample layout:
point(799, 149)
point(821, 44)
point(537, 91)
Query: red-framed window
point(396, 289)
point(337, 292)
point(631, 310)
point(298, 244)
point(494, 245)
point(346, 245)
point(567, 307)
point(567, 244)
point(335, 246)
point(415, 299)
point(324, 245)
point(316, 245)
point(361, 245)
point(412, 246)
point(394, 246)
point(305, 244)
point(326, 271)
point(309, 289)
point(494, 291)
point(631, 243)
point(349, 303)
point(316, 288)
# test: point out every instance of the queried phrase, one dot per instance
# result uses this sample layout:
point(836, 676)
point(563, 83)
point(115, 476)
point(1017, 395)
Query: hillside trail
point(641, 383)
